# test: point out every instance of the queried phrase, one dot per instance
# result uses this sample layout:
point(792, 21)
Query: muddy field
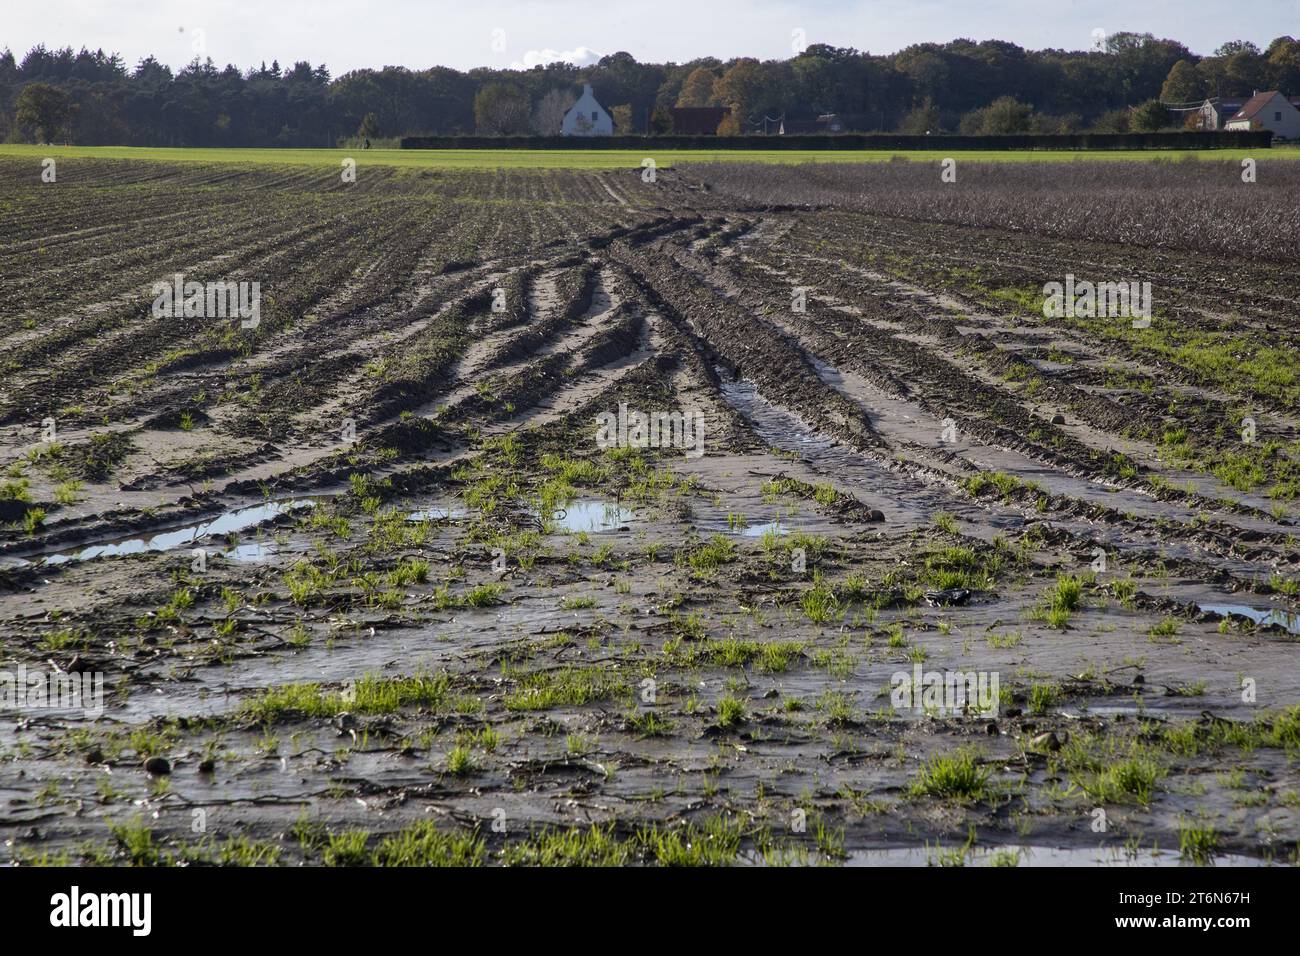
point(372, 580)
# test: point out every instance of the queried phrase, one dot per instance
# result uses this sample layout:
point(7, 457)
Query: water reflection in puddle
point(758, 530)
point(437, 514)
point(251, 551)
point(228, 523)
point(1262, 617)
point(591, 516)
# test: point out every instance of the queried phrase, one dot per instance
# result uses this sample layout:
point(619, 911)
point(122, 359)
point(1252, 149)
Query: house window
point(593, 116)
point(1277, 116)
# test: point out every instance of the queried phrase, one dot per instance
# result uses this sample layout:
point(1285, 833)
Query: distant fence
point(1219, 139)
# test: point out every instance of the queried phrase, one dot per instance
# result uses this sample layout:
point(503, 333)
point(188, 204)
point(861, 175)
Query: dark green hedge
point(1181, 140)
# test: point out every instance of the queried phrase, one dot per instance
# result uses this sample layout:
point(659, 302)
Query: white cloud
point(579, 56)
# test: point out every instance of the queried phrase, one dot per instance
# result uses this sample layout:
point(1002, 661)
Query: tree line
point(1126, 83)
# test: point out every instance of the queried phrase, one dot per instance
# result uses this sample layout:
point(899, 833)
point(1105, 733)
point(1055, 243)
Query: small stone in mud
point(1139, 679)
point(95, 756)
point(344, 723)
point(1046, 741)
point(158, 766)
point(1058, 419)
point(947, 596)
point(876, 515)
point(207, 765)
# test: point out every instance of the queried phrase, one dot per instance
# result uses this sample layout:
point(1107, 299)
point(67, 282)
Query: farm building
point(698, 120)
point(1270, 110)
point(1216, 111)
point(587, 117)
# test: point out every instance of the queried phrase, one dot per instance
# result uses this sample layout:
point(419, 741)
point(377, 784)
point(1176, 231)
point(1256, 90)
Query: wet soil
point(382, 562)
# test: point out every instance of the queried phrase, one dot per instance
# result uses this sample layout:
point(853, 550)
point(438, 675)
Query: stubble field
point(367, 583)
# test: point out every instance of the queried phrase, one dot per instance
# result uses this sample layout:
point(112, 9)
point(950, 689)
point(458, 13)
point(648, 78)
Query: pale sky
point(347, 34)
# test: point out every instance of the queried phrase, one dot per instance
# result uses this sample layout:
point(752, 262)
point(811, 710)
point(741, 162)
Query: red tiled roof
point(1254, 105)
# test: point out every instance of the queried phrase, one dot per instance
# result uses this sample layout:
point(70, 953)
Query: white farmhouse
point(587, 117)
point(1269, 110)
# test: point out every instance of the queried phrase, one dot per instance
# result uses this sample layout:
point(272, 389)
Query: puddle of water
point(252, 551)
point(1159, 709)
point(437, 514)
point(1263, 617)
point(228, 523)
point(758, 530)
point(591, 516)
